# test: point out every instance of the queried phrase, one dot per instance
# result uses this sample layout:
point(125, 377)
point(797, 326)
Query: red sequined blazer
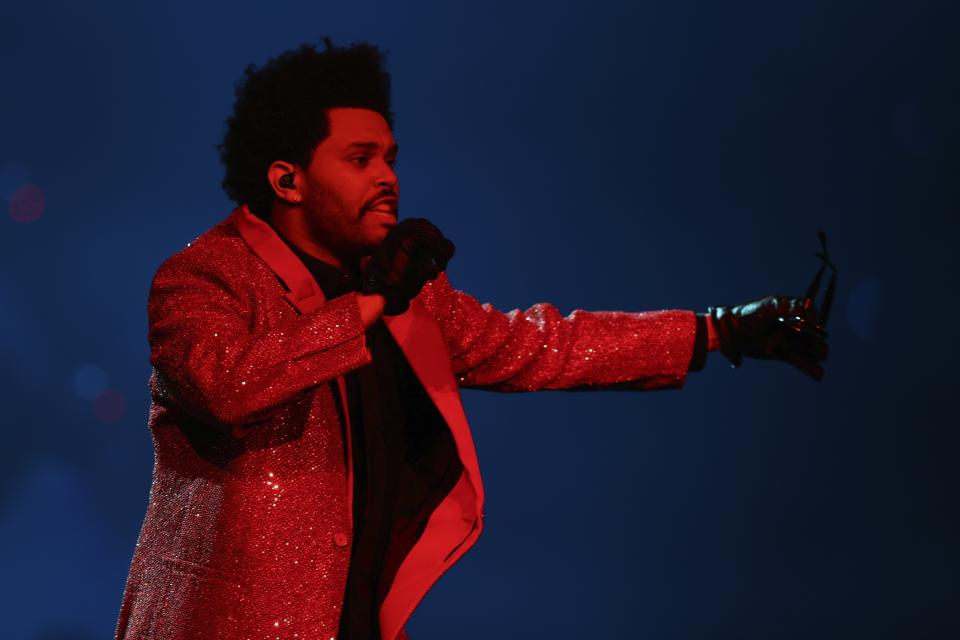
point(247, 532)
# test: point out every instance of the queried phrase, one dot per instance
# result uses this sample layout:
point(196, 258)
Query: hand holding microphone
point(413, 252)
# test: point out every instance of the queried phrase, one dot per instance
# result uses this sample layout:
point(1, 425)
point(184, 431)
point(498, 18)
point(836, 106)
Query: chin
point(371, 244)
point(381, 232)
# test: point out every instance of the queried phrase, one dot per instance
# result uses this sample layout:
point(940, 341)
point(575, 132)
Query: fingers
point(812, 342)
point(804, 351)
point(802, 326)
point(808, 342)
point(419, 228)
point(805, 309)
point(778, 327)
point(425, 264)
point(806, 365)
point(413, 252)
point(422, 238)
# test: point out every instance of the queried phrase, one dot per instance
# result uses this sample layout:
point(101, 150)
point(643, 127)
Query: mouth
point(387, 206)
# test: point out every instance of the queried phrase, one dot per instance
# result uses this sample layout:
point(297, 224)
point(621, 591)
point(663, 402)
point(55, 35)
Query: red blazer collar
point(303, 291)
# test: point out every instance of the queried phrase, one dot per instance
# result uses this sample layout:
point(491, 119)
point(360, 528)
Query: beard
point(347, 231)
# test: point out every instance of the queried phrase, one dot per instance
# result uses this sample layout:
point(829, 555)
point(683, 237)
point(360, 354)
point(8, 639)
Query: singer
point(314, 472)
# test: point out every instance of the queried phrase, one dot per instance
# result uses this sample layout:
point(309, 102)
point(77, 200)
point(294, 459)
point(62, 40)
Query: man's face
point(350, 191)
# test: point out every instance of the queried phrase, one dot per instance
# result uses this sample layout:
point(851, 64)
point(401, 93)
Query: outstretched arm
point(541, 349)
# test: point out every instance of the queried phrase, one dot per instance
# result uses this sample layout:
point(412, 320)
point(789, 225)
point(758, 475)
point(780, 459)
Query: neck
point(291, 224)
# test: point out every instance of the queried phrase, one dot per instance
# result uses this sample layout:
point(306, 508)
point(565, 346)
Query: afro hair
point(280, 112)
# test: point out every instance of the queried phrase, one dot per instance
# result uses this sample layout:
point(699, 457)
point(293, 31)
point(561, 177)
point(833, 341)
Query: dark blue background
point(601, 155)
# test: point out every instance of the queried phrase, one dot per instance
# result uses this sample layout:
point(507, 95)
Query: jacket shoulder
point(220, 244)
point(219, 258)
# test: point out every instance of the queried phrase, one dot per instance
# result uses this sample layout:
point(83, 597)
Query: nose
point(387, 177)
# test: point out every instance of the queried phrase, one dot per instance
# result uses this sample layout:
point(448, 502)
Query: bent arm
point(539, 348)
point(220, 367)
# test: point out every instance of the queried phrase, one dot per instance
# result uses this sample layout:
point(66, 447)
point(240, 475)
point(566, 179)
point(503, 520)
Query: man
point(314, 471)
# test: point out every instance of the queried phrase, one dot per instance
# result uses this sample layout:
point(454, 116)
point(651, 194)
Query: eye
point(392, 162)
point(361, 160)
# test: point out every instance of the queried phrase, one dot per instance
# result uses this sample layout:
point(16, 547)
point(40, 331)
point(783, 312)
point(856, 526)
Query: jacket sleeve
point(540, 349)
point(219, 365)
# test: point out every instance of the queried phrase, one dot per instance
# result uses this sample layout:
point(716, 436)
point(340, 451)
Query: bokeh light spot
point(27, 203)
point(12, 175)
point(863, 308)
point(109, 406)
point(89, 381)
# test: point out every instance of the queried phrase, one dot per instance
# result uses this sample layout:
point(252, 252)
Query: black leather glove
point(413, 252)
point(776, 327)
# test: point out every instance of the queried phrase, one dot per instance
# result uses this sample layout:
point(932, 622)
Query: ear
point(282, 187)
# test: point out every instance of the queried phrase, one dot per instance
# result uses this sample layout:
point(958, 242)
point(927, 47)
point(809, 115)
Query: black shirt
point(404, 458)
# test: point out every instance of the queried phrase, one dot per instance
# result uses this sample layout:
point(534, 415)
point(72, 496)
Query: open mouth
point(383, 211)
point(387, 207)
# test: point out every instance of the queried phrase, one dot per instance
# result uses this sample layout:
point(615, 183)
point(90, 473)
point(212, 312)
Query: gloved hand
point(776, 327)
point(413, 252)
